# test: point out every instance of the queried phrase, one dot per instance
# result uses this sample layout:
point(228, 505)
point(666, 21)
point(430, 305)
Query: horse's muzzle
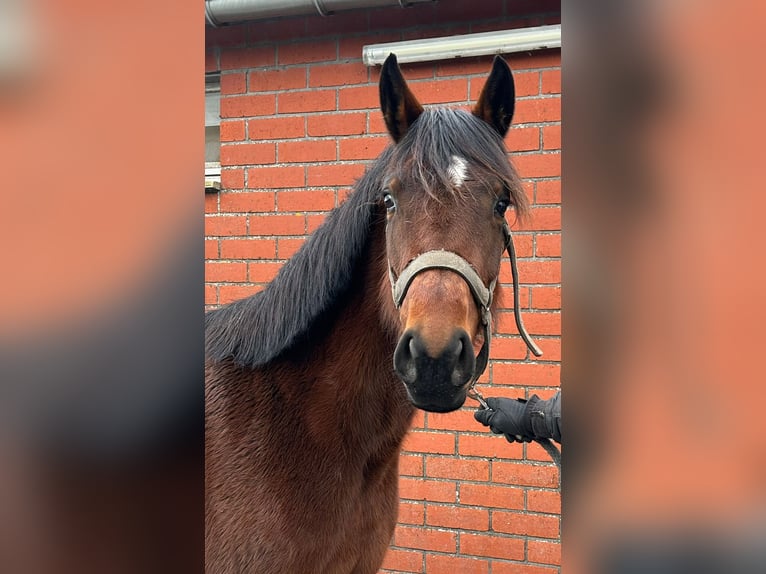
point(435, 383)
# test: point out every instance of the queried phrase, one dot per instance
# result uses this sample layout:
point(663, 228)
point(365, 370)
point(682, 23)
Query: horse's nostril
point(413, 349)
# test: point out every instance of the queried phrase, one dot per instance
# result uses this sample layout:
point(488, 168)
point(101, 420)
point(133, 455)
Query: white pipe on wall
point(219, 12)
point(464, 46)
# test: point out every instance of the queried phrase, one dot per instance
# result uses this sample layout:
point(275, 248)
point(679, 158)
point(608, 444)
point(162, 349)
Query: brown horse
point(311, 384)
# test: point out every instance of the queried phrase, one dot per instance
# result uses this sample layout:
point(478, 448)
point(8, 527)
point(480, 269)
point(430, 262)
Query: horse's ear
point(495, 105)
point(399, 106)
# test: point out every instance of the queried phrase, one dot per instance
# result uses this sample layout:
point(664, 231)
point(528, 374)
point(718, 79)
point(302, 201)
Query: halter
point(441, 259)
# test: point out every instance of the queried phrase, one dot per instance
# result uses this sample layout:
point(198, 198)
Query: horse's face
point(446, 188)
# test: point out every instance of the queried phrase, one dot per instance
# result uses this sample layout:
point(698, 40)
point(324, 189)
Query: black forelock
point(441, 133)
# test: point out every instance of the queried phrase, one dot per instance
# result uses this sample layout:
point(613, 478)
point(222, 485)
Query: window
point(212, 133)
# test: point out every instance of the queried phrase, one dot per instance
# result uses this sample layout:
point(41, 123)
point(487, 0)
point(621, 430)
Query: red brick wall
point(300, 121)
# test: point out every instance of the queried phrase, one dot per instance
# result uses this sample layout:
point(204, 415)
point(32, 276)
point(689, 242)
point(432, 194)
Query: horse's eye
point(389, 203)
point(501, 206)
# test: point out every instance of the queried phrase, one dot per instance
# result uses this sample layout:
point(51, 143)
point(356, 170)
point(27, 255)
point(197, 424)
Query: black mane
point(255, 330)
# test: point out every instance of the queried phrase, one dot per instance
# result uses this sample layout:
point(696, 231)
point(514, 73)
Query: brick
point(410, 465)
point(338, 174)
point(525, 524)
point(440, 564)
point(459, 469)
point(314, 221)
point(211, 60)
point(224, 36)
point(211, 203)
point(544, 552)
point(229, 293)
point(424, 489)
point(337, 75)
point(546, 218)
point(246, 202)
point(513, 568)
point(523, 139)
point(341, 23)
point(276, 80)
point(546, 297)
point(336, 124)
point(248, 248)
point(232, 178)
point(248, 154)
point(552, 81)
point(232, 59)
point(233, 84)
point(548, 191)
point(551, 348)
point(548, 245)
point(537, 323)
point(430, 442)
point(358, 97)
point(489, 446)
point(225, 226)
point(425, 539)
point(307, 52)
point(532, 374)
point(524, 474)
point(211, 295)
point(276, 128)
point(457, 420)
point(552, 137)
point(306, 151)
point(262, 271)
point(441, 91)
point(403, 560)
point(526, 84)
point(211, 249)
point(522, 243)
point(287, 247)
point(534, 271)
point(242, 106)
point(457, 517)
point(310, 101)
point(491, 546)
point(535, 451)
point(507, 348)
point(219, 272)
point(284, 29)
point(537, 110)
point(411, 513)
point(505, 297)
point(538, 59)
point(232, 131)
point(543, 500)
point(277, 225)
point(377, 124)
point(492, 495)
point(537, 165)
point(362, 148)
point(317, 200)
point(275, 177)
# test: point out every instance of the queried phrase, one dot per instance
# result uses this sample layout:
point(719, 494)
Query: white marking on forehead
point(456, 170)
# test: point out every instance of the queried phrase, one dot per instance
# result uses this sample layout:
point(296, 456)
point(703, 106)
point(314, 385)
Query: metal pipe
point(220, 12)
point(463, 46)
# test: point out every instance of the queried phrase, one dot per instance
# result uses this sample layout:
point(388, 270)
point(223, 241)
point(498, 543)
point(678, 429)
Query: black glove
point(509, 417)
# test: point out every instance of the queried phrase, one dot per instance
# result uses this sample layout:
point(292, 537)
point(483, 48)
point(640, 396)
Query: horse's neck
point(355, 396)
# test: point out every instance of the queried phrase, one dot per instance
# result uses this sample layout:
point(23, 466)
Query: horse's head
point(446, 187)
